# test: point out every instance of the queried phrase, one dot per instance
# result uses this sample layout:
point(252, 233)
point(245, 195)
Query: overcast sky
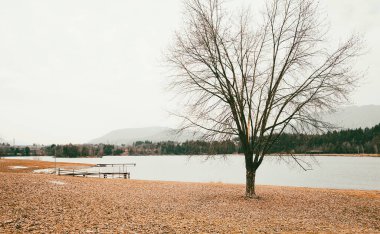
point(73, 70)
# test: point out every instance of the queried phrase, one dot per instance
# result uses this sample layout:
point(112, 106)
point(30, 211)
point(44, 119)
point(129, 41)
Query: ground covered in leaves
point(48, 203)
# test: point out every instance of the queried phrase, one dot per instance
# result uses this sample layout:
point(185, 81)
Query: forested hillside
point(363, 141)
point(355, 141)
point(340, 142)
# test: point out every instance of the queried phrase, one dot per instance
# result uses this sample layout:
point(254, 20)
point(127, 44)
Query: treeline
point(64, 151)
point(352, 141)
point(74, 151)
point(184, 148)
point(6, 149)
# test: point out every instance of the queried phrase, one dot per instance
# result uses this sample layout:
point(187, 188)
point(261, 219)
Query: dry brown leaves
point(36, 203)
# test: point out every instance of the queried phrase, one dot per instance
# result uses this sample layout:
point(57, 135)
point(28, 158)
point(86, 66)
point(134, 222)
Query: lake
point(326, 172)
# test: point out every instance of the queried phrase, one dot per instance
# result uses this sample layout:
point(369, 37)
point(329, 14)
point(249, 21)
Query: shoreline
point(47, 167)
point(331, 155)
point(343, 190)
point(36, 203)
point(46, 203)
point(202, 155)
point(10, 165)
point(30, 166)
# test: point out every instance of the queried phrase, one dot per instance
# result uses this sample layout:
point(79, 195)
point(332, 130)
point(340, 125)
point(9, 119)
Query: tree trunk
point(250, 184)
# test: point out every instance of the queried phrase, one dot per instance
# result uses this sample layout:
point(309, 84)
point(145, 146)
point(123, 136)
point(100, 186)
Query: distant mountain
point(155, 134)
point(354, 117)
point(348, 117)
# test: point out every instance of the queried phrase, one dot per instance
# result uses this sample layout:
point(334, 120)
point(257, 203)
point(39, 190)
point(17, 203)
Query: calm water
point(327, 172)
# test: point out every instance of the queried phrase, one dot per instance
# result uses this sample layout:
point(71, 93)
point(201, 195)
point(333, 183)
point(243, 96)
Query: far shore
point(279, 154)
point(329, 155)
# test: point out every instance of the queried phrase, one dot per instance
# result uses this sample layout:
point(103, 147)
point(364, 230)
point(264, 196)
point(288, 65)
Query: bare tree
point(255, 81)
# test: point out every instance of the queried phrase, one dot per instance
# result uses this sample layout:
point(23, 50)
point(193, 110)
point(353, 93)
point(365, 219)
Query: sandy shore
point(28, 166)
point(49, 203)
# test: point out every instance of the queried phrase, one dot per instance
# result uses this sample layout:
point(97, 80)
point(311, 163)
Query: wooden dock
point(97, 171)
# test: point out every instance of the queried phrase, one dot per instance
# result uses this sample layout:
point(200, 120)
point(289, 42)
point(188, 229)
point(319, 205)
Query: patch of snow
point(45, 171)
point(17, 167)
point(57, 182)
